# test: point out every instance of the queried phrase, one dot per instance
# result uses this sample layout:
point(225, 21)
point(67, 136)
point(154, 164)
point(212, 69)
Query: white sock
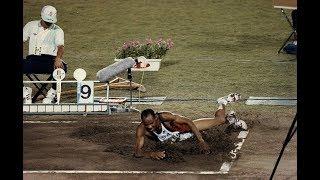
point(222, 101)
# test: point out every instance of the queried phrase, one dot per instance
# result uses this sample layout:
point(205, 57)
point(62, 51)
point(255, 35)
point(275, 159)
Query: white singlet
point(173, 136)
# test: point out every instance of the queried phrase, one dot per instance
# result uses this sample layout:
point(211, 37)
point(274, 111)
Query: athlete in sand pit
point(166, 126)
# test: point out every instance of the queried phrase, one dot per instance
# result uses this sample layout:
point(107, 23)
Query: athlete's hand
point(158, 155)
point(204, 147)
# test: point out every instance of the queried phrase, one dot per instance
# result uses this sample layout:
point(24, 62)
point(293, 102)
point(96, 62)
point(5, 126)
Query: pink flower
point(124, 46)
point(169, 43)
point(148, 41)
point(149, 48)
point(160, 41)
point(135, 43)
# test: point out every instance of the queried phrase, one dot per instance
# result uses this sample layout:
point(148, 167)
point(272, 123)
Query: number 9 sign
point(84, 88)
point(85, 92)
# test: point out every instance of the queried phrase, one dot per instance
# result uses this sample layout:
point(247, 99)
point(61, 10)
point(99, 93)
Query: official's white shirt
point(43, 41)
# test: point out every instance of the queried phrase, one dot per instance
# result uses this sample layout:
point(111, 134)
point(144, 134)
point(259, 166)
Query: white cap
point(49, 14)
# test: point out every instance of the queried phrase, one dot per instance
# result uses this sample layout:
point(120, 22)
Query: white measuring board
point(271, 101)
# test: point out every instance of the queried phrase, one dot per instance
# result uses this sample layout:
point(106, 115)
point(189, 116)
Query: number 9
point(85, 90)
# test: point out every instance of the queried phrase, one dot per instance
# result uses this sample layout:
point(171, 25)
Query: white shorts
point(184, 136)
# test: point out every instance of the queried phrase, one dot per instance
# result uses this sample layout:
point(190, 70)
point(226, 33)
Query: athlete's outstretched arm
point(183, 120)
point(138, 151)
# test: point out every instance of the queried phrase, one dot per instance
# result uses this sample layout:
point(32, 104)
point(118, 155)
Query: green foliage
point(149, 49)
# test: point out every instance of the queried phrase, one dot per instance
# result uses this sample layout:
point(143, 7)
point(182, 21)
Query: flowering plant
point(149, 49)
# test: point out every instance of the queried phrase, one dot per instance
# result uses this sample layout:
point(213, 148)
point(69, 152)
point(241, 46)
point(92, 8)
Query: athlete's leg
point(219, 116)
point(207, 123)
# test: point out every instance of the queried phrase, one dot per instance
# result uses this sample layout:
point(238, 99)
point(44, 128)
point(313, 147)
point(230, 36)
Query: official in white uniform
point(46, 47)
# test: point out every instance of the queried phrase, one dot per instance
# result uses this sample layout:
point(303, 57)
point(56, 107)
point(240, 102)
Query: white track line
point(226, 166)
point(120, 172)
point(66, 122)
point(136, 122)
point(47, 122)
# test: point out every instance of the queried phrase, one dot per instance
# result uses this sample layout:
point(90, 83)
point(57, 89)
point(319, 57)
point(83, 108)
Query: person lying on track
point(166, 126)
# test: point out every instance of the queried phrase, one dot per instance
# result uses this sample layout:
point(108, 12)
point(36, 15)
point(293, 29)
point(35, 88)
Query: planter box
point(154, 65)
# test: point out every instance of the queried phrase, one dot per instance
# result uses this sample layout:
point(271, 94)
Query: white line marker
point(135, 122)
point(120, 172)
point(226, 166)
point(243, 134)
point(271, 101)
point(285, 7)
point(47, 122)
